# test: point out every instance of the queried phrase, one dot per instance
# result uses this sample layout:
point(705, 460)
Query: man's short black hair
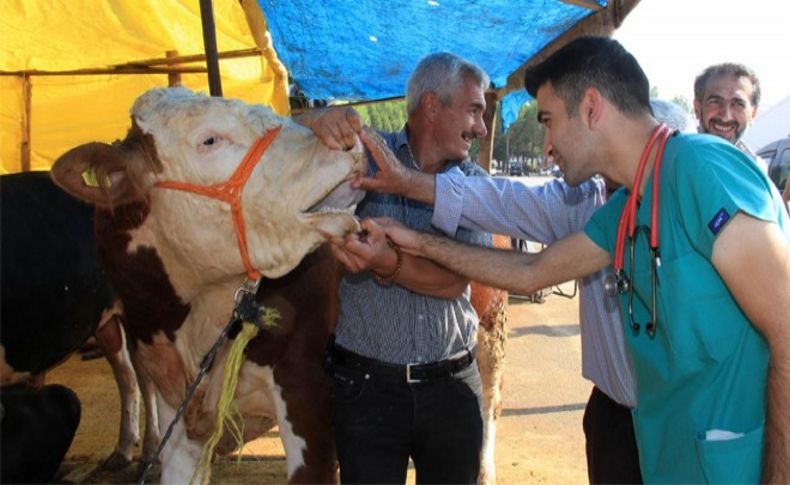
point(723, 70)
point(597, 62)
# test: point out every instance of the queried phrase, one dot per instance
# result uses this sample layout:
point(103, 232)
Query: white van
point(777, 155)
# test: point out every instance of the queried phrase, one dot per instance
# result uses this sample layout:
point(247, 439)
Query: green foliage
point(524, 137)
point(389, 116)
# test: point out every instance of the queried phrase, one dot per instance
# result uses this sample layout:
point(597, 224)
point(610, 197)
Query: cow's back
point(53, 287)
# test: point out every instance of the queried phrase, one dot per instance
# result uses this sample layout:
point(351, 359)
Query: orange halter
point(230, 192)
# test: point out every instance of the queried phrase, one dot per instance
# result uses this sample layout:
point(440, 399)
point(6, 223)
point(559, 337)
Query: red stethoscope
point(619, 282)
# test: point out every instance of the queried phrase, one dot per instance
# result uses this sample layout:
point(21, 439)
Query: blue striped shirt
point(394, 324)
point(546, 214)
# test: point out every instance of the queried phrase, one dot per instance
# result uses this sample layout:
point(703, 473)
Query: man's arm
point(544, 213)
point(372, 252)
point(572, 257)
point(753, 258)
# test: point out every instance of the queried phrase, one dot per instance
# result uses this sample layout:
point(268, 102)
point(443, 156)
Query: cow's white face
point(298, 190)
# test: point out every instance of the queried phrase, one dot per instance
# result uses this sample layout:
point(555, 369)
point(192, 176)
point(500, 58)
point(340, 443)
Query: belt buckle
point(409, 380)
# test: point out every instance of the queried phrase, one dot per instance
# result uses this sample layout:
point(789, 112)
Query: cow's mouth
point(341, 199)
point(334, 214)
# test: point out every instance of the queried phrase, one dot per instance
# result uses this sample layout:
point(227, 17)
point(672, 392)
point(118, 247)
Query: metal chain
point(245, 292)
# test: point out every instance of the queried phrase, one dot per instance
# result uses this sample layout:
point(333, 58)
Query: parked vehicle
point(516, 167)
point(777, 155)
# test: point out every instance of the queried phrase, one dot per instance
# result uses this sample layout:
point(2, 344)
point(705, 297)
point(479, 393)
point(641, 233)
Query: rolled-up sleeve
point(449, 200)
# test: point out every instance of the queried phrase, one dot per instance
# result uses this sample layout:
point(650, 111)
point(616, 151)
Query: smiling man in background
point(726, 98)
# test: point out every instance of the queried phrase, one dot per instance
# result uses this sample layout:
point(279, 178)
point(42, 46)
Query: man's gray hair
point(670, 113)
point(443, 74)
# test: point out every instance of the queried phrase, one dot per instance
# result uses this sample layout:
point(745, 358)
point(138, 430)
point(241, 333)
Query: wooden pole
point(487, 143)
point(173, 78)
point(27, 96)
point(210, 46)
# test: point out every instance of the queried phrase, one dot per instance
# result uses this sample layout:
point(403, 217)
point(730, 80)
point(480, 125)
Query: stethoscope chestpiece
point(616, 284)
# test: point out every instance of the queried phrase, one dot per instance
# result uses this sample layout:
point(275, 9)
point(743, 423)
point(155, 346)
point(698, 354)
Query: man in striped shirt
point(405, 380)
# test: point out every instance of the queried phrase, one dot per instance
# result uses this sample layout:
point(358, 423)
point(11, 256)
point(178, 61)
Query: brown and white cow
point(491, 307)
point(174, 259)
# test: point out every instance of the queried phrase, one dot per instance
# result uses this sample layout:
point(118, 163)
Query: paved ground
point(540, 439)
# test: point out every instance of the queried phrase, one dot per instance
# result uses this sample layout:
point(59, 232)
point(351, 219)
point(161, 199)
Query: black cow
point(55, 295)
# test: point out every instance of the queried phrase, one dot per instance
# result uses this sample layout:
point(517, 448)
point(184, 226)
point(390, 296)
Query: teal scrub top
point(706, 368)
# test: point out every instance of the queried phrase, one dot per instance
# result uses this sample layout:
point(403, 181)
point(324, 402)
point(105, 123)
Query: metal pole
point(210, 46)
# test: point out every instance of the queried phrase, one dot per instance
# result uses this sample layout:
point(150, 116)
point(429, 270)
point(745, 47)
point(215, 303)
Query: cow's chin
point(334, 223)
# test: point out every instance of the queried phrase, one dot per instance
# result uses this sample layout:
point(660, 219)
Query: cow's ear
point(95, 173)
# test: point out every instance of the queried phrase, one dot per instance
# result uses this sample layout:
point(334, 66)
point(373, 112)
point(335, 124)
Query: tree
point(524, 137)
point(389, 116)
point(681, 101)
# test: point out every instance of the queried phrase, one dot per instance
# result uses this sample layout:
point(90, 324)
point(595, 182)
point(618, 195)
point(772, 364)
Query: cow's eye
point(209, 143)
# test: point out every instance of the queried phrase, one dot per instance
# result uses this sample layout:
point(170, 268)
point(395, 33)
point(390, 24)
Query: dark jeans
point(380, 421)
point(612, 456)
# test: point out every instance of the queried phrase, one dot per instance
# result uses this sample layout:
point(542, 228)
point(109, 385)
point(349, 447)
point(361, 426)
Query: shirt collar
point(402, 143)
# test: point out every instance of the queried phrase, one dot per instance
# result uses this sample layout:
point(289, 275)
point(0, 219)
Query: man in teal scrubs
point(713, 378)
point(702, 377)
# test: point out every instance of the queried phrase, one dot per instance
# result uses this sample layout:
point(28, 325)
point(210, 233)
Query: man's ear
point(592, 107)
point(429, 103)
point(754, 115)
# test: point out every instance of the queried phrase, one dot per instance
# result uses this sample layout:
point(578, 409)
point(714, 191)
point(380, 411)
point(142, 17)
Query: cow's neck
point(144, 270)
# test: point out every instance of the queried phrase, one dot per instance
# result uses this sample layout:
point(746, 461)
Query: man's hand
point(337, 128)
point(392, 176)
point(367, 249)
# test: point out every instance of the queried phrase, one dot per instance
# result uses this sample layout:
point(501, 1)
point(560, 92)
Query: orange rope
point(230, 193)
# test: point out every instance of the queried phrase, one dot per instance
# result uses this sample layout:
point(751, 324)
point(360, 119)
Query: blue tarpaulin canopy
point(365, 50)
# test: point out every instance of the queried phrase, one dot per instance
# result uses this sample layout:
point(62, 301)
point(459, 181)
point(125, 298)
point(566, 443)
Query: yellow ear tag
point(90, 179)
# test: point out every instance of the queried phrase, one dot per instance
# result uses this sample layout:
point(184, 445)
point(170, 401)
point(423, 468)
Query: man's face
point(562, 136)
point(726, 108)
point(461, 122)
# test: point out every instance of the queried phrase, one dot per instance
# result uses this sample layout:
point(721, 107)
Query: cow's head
point(298, 190)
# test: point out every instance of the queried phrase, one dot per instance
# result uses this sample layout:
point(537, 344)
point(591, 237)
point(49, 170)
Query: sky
point(674, 40)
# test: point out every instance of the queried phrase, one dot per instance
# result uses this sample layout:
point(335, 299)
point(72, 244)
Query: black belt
point(411, 373)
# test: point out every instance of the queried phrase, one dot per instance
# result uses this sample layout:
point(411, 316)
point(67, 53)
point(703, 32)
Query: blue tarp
point(365, 50)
